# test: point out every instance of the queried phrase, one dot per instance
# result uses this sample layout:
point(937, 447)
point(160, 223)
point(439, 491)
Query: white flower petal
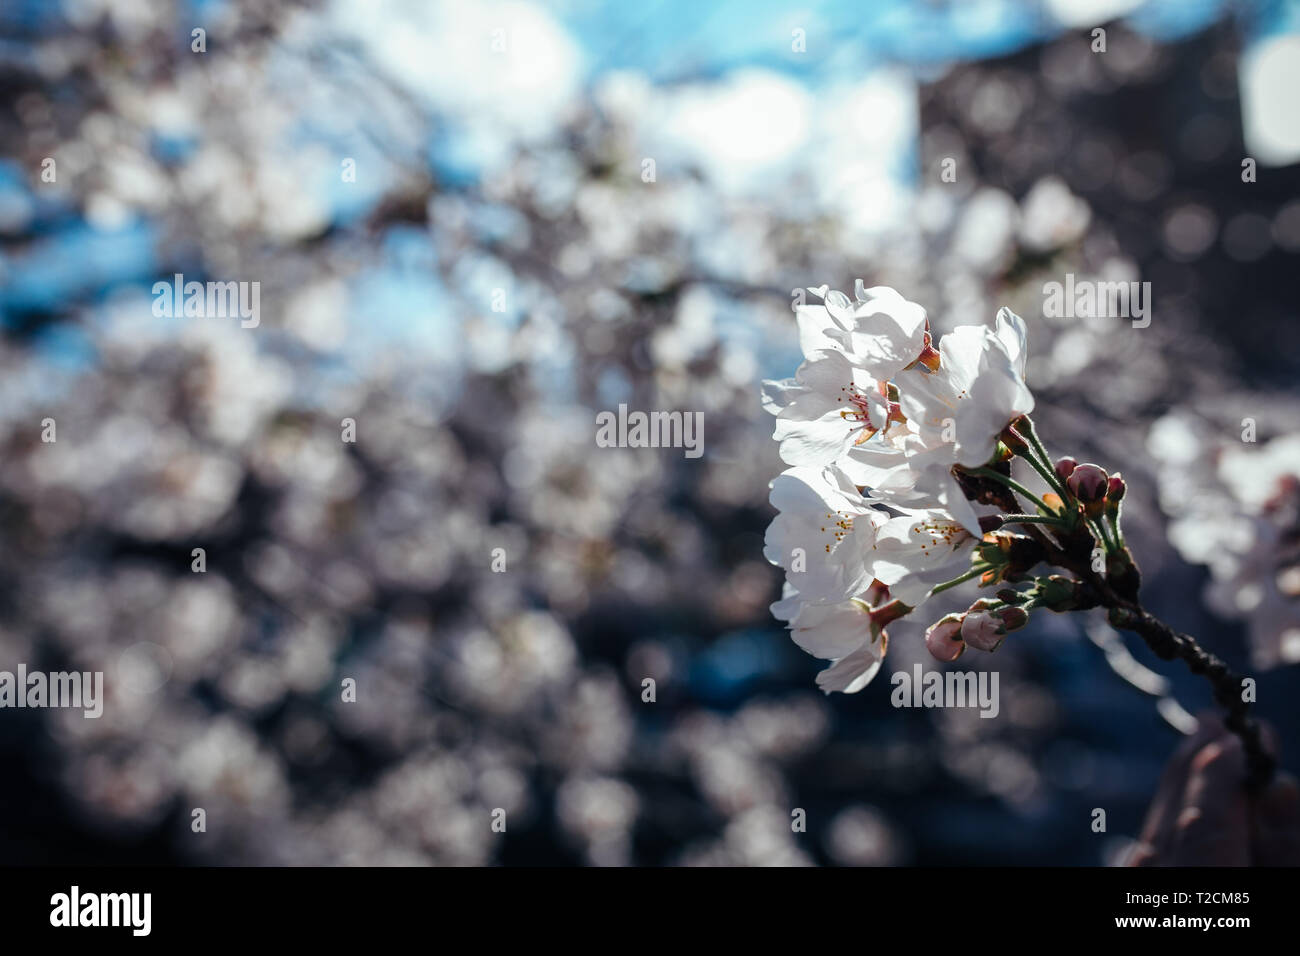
point(852, 673)
point(831, 631)
point(1012, 333)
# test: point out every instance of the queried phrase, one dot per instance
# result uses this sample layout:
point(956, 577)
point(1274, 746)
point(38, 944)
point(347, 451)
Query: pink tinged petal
point(852, 673)
point(982, 631)
point(943, 639)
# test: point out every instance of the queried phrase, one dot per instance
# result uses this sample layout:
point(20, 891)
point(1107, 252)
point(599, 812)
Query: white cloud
point(1087, 13)
point(447, 53)
point(1270, 77)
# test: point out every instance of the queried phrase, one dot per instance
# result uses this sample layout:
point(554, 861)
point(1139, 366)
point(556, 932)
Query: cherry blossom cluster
point(899, 486)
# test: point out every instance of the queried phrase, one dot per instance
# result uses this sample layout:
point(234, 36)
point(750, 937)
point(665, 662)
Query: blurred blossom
point(860, 836)
point(1252, 547)
point(500, 269)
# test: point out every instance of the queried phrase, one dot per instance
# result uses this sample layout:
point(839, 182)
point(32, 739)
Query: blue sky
point(707, 64)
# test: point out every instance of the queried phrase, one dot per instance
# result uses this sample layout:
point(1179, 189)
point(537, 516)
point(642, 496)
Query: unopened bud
point(1013, 618)
point(995, 548)
point(1115, 488)
point(1014, 441)
point(982, 630)
point(943, 638)
point(985, 625)
point(1065, 467)
point(1058, 593)
point(1087, 483)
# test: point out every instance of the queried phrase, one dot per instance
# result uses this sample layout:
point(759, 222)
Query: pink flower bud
point(943, 638)
point(1087, 483)
point(985, 626)
point(982, 630)
point(1115, 488)
point(1065, 467)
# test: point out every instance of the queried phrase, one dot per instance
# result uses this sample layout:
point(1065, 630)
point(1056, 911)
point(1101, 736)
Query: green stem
point(960, 579)
point(1043, 462)
point(1033, 519)
point(1049, 476)
point(1014, 485)
point(1098, 529)
point(1115, 525)
point(1032, 434)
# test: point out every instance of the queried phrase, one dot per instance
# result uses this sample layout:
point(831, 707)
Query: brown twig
point(1118, 592)
point(1168, 644)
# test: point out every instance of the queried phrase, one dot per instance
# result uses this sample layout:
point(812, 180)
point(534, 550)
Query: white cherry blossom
point(841, 633)
point(827, 408)
point(881, 332)
point(978, 389)
point(822, 534)
point(919, 549)
point(875, 407)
